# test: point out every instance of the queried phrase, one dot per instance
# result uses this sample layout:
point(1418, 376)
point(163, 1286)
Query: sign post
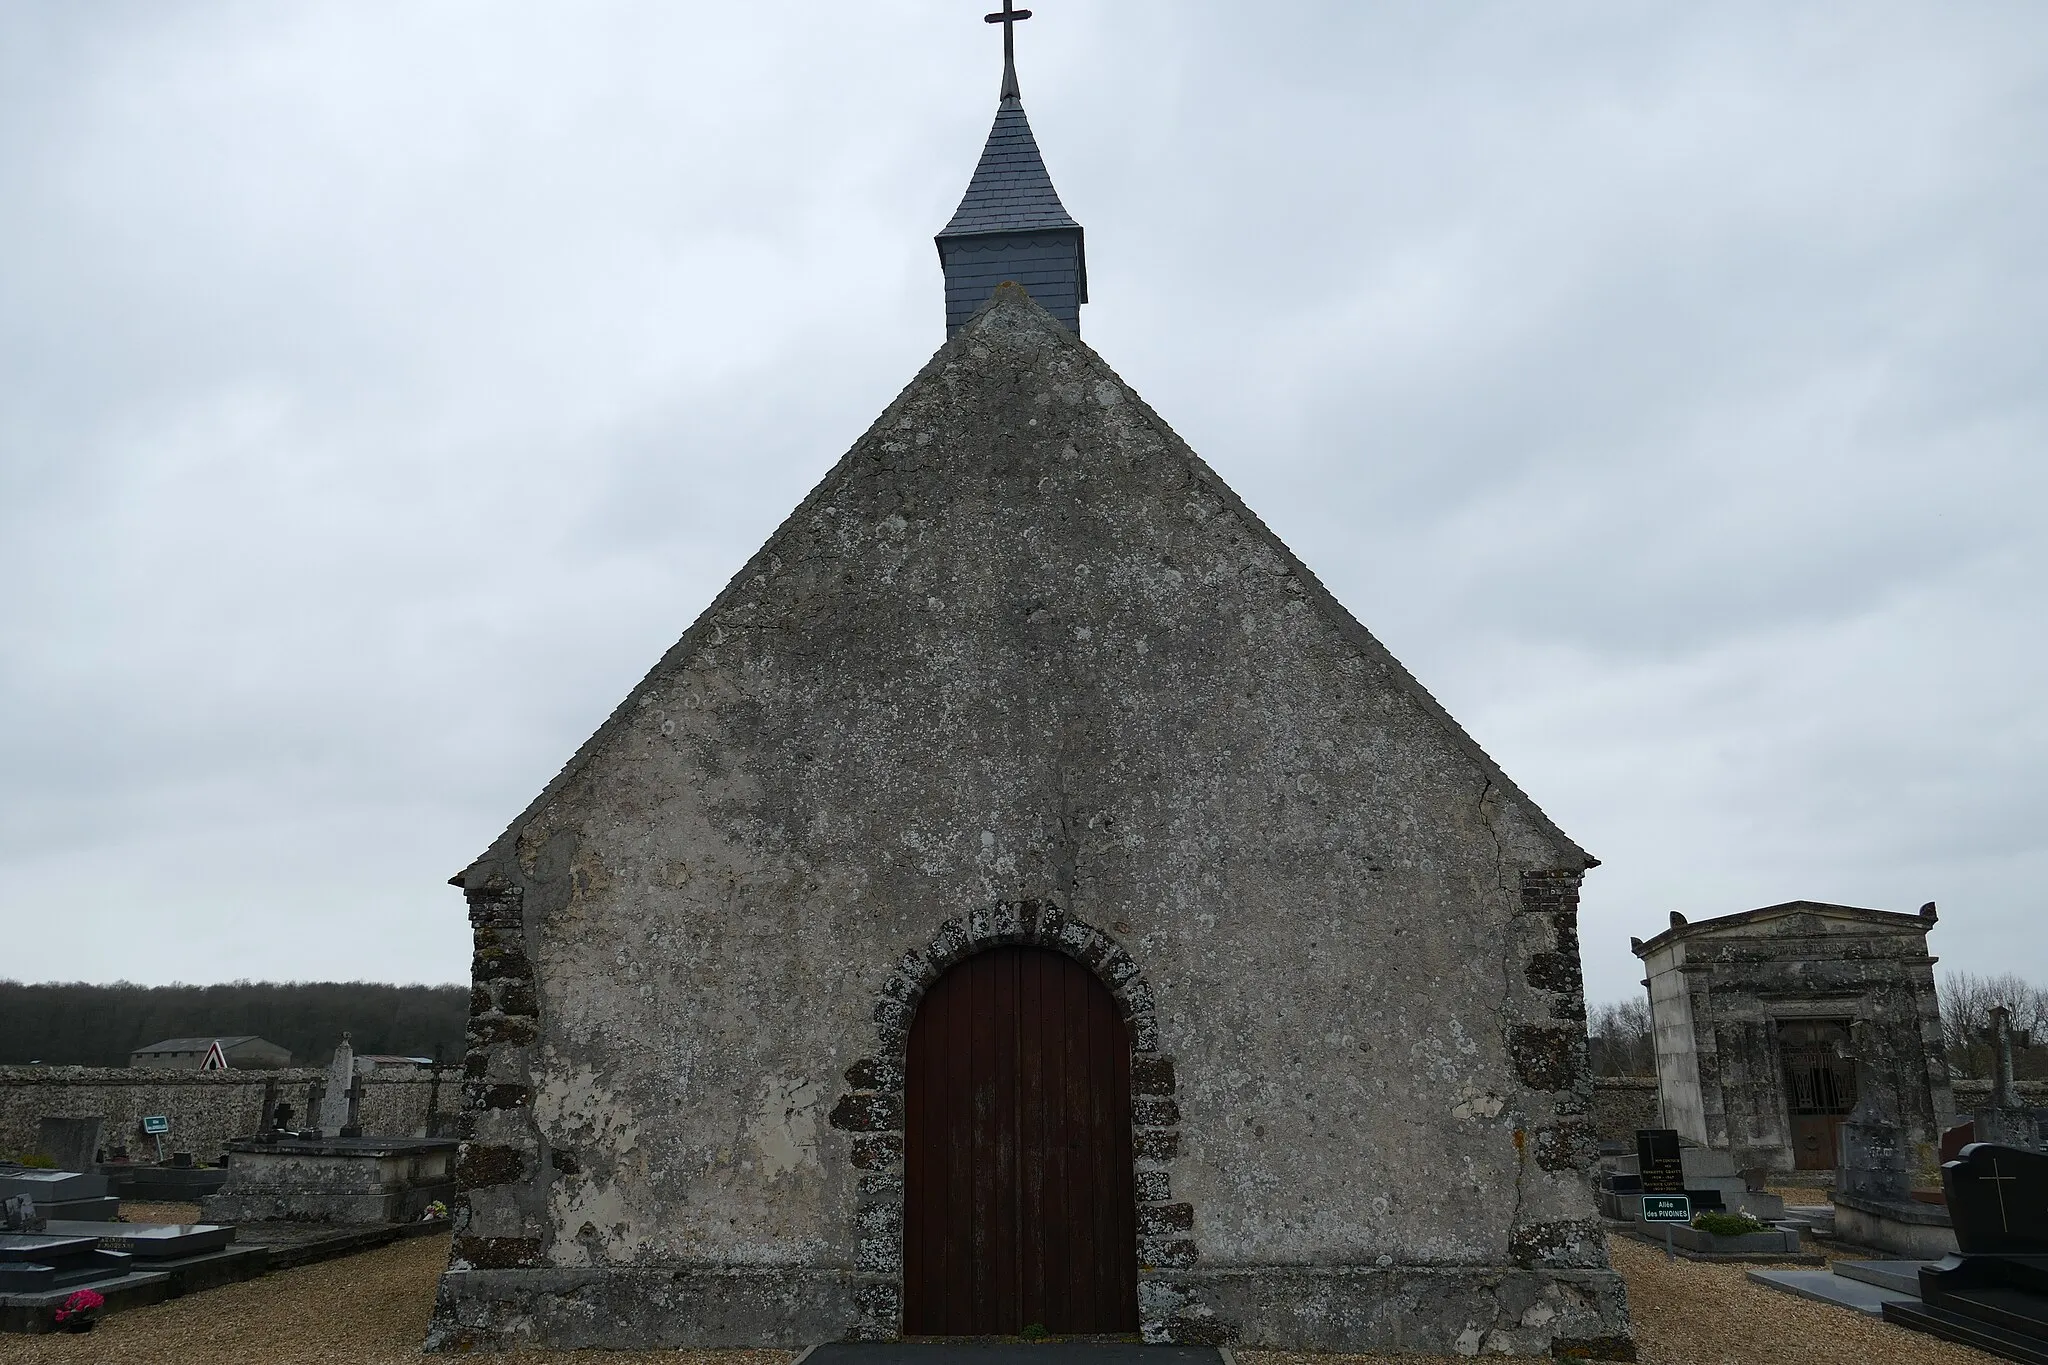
point(156, 1125)
point(1667, 1209)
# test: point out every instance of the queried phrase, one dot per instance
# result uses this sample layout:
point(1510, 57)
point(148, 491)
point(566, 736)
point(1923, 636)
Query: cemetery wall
point(1622, 1104)
point(1972, 1095)
point(206, 1108)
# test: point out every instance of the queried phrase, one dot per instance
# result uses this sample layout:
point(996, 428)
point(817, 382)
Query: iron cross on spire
point(1009, 19)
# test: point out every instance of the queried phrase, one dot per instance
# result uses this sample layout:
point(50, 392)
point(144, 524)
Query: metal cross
point(1009, 19)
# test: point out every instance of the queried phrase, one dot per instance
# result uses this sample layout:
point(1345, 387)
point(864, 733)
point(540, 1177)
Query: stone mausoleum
point(1026, 897)
point(1752, 1015)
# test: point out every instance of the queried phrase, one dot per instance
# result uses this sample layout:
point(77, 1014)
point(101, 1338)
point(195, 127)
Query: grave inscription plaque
point(1658, 1159)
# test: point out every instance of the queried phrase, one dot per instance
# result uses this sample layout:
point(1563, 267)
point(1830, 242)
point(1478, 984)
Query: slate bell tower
point(1010, 224)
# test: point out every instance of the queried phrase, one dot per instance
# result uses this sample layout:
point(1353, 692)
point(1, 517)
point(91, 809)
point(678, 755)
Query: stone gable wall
point(1021, 648)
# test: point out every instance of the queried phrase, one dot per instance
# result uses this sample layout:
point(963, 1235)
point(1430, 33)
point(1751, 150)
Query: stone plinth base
point(1916, 1231)
point(333, 1180)
point(1357, 1309)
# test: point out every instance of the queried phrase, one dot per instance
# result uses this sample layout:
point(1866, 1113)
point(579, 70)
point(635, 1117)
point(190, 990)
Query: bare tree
point(1966, 1001)
point(1619, 1033)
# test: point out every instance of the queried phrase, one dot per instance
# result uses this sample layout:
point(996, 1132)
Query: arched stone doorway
point(1018, 1204)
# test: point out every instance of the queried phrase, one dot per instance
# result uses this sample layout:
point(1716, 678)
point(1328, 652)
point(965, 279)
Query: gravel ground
point(372, 1310)
point(159, 1213)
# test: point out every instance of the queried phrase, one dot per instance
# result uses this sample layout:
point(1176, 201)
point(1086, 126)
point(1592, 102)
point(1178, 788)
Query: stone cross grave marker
point(2005, 1119)
point(332, 1115)
point(352, 1125)
point(2003, 1038)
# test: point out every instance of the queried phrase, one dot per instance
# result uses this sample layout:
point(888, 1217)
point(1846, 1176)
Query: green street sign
point(1667, 1208)
point(155, 1124)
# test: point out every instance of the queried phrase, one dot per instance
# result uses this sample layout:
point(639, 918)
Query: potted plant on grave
point(1739, 1234)
point(1739, 1224)
point(80, 1312)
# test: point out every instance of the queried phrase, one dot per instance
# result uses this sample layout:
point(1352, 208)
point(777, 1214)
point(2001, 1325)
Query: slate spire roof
point(1012, 228)
point(1011, 190)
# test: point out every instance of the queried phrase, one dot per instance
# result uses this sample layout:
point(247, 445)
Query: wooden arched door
point(1017, 1152)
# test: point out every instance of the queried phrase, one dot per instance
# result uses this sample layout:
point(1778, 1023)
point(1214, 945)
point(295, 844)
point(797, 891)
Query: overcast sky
point(384, 386)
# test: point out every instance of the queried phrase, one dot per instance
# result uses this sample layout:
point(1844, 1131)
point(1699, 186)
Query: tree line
point(76, 1024)
point(1618, 1033)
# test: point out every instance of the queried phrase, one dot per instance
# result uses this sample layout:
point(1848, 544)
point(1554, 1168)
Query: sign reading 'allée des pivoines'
point(1667, 1208)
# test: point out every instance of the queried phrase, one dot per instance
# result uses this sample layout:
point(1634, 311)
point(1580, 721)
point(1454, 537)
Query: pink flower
point(84, 1301)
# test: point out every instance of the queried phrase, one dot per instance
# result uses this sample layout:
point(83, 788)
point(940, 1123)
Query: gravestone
point(1874, 1161)
point(73, 1143)
point(1998, 1200)
point(1659, 1161)
point(332, 1114)
point(18, 1214)
point(2005, 1119)
point(151, 1241)
point(352, 1118)
point(1994, 1294)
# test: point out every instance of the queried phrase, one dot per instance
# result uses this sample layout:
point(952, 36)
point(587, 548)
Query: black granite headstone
point(1657, 1157)
point(1998, 1200)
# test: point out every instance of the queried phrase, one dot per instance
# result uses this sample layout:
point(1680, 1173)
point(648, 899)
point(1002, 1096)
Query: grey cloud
point(382, 390)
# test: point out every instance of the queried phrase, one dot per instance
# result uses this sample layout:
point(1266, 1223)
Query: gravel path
point(360, 1310)
point(372, 1310)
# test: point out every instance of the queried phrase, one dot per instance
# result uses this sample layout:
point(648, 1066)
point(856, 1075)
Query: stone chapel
point(1026, 898)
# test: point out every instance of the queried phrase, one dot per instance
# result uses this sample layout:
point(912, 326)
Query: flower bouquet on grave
point(435, 1212)
point(80, 1312)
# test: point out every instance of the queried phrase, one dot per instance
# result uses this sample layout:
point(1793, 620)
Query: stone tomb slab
point(1825, 1287)
point(149, 1241)
point(36, 1312)
point(31, 1262)
point(52, 1187)
point(1900, 1277)
point(333, 1180)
